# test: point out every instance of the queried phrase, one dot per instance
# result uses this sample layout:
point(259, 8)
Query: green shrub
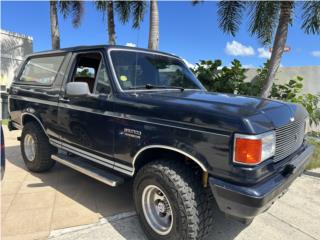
point(315, 159)
point(220, 79)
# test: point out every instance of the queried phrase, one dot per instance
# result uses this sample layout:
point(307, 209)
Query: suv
point(115, 113)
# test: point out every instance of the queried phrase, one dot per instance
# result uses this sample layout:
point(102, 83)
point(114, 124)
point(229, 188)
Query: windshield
point(140, 70)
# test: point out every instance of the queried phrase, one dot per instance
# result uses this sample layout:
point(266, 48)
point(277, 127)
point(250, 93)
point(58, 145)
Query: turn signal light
point(253, 149)
point(248, 151)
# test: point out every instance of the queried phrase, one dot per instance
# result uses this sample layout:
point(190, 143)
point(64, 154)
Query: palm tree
point(124, 9)
point(55, 34)
point(154, 26)
point(106, 7)
point(74, 8)
point(280, 38)
point(269, 21)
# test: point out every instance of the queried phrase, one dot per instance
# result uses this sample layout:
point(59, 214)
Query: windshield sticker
point(123, 78)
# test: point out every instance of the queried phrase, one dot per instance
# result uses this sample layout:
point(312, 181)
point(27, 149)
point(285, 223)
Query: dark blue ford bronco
point(115, 113)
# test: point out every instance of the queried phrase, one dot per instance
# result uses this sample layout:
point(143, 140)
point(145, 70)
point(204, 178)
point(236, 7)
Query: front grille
point(288, 139)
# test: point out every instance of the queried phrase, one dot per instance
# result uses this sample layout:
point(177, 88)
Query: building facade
point(14, 47)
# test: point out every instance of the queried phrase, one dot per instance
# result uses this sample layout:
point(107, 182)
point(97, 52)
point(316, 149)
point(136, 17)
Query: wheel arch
point(29, 117)
point(142, 156)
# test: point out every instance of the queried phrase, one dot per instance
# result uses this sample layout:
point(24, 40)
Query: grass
point(4, 121)
point(315, 161)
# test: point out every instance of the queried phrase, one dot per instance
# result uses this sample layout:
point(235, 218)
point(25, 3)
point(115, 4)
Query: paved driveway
point(64, 204)
point(35, 204)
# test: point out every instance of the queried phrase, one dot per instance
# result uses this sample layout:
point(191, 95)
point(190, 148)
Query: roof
point(92, 47)
point(14, 34)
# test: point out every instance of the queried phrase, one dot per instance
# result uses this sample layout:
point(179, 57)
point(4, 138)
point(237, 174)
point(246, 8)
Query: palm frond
point(123, 9)
point(138, 12)
point(230, 13)
point(311, 17)
point(101, 5)
point(264, 19)
point(74, 8)
point(195, 2)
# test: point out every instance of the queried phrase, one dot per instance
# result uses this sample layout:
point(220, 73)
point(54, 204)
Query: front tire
point(35, 148)
point(171, 202)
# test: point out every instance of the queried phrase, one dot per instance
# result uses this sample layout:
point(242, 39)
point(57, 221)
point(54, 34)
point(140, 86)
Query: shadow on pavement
point(76, 188)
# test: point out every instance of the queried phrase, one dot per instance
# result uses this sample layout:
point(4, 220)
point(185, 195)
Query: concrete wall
point(310, 74)
point(14, 47)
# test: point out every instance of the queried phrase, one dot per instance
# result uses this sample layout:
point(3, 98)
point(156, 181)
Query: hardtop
point(95, 47)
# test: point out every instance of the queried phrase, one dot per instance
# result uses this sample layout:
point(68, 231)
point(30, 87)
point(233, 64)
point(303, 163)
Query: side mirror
point(77, 89)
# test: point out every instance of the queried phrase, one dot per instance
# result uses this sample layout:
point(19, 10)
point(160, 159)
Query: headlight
point(253, 149)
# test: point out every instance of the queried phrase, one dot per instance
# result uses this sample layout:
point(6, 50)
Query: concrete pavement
point(296, 216)
point(64, 204)
point(34, 204)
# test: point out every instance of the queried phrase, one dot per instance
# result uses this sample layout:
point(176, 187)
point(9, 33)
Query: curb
point(312, 173)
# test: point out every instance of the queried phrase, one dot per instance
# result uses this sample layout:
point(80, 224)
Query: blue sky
point(190, 32)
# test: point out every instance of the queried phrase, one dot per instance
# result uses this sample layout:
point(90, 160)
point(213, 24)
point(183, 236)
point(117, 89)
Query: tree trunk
point(111, 27)
point(278, 46)
point(154, 26)
point(55, 35)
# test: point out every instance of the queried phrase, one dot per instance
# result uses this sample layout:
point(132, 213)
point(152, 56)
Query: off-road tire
point(191, 203)
point(42, 161)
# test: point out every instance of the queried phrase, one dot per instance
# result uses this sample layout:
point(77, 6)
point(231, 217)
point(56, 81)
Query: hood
point(222, 112)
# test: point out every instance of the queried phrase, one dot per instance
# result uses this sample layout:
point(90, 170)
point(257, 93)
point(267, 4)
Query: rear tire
point(36, 149)
point(185, 198)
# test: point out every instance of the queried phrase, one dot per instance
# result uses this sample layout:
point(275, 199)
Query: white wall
point(310, 74)
point(14, 47)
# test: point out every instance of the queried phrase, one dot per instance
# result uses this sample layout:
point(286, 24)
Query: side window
point(103, 83)
point(86, 68)
point(42, 70)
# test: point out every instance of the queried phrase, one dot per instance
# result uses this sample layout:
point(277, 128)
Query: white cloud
point(235, 48)
point(129, 44)
point(315, 53)
point(263, 53)
point(190, 65)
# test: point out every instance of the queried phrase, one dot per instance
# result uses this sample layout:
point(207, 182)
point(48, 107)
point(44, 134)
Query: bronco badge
point(132, 133)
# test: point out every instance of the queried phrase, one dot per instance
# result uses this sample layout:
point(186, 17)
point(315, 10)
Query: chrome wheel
point(157, 209)
point(29, 147)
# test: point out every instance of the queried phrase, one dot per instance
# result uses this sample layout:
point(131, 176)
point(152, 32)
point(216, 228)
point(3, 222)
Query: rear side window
point(41, 70)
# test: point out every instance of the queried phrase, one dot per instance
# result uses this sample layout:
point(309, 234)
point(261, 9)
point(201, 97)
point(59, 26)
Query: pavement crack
point(293, 226)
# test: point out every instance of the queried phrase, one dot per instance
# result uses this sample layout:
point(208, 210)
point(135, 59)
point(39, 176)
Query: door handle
point(14, 91)
point(65, 100)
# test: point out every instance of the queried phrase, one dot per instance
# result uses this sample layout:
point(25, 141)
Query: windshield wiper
point(151, 86)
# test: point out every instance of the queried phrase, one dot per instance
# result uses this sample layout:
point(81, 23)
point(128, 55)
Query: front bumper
point(244, 203)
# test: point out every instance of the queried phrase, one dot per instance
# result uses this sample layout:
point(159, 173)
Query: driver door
point(87, 129)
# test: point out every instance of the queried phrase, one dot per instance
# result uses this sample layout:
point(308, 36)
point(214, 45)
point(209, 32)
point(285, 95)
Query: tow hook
point(19, 139)
point(289, 169)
